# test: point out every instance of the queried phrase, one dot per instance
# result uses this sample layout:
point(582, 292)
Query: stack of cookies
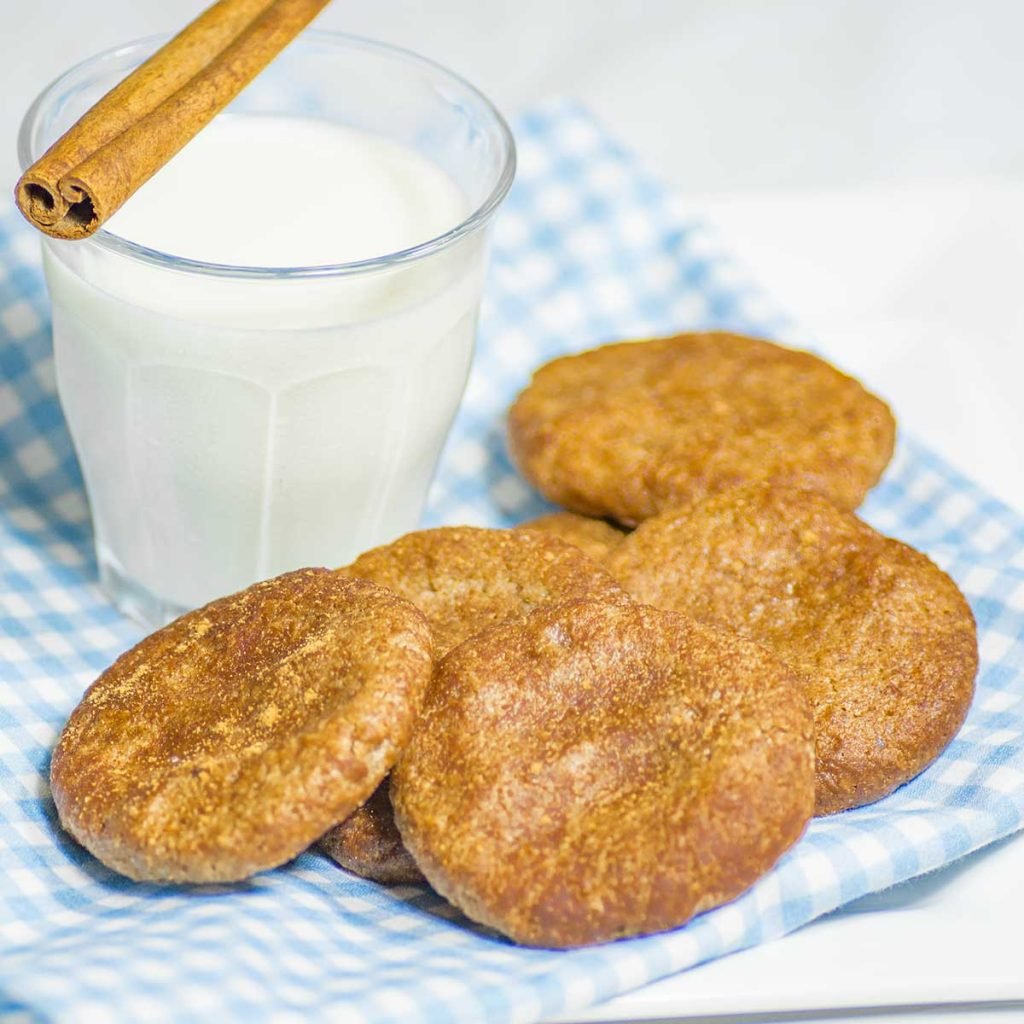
point(592, 726)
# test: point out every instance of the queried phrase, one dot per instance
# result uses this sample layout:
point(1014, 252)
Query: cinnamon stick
point(118, 145)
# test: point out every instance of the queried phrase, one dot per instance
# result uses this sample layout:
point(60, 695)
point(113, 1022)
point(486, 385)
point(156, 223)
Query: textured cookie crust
point(631, 429)
point(369, 845)
point(596, 537)
point(464, 579)
point(886, 640)
point(227, 742)
point(597, 771)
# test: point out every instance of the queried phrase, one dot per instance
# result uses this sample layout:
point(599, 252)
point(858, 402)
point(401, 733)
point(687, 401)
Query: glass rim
point(133, 250)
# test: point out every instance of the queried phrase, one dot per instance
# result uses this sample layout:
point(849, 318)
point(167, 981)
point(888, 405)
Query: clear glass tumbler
point(236, 422)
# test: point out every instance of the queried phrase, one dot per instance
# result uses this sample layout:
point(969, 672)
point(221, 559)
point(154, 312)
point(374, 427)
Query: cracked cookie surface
point(887, 642)
point(595, 771)
point(227, 742)
point(631, 429)
point(464, 579)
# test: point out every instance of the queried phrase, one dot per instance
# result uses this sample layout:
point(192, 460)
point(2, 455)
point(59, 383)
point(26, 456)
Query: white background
point(718, 94)
point(866, 158)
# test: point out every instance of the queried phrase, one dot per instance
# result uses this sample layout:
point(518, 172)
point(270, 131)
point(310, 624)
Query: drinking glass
point(236, 422)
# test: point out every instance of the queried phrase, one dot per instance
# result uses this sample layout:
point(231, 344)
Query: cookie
point(596, 771)
point(227, 742)
point(597, 537)
point(368, 844)
point(464, 579)
point(635, 428)
point(886, 640)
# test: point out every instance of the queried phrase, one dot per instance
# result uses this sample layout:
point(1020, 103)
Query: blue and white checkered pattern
point(588, 248)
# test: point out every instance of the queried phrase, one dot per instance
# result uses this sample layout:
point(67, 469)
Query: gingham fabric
point(588, 248)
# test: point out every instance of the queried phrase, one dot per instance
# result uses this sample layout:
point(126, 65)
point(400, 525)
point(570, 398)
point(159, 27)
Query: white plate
point(954, 936)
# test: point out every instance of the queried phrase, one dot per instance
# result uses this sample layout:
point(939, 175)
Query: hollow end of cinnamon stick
point(84, 214)
point(68, 211)
point(39, 200)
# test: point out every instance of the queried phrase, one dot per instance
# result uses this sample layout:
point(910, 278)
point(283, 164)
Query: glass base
point(135, 601)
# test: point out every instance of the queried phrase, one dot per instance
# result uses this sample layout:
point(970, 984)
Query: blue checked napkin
point(588, 248)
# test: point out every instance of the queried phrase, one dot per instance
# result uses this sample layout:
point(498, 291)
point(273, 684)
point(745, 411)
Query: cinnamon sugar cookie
point(368, 844)
point(227, 742)
point(596, 771)
point(597, 537)
point(464, 579)
point(886, 640)
point(631, 429)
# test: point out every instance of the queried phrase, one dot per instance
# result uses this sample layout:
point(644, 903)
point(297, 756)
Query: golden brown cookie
point(597, 771)
point(368, 844)
point(464, 579)
point(884, 637)
point(228, 741)
point(597, 537)
point(632, 429)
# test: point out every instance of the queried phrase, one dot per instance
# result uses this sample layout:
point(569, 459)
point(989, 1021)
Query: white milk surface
point(290, 192)
point(232, 428)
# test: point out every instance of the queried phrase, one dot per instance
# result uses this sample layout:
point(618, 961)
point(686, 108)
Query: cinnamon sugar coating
point(885, 639)
point(228, 741)
point(631, 429)
point(596, 771)
point(368, 843)
point(597, 537)
point(463, 579)
point(466, 578)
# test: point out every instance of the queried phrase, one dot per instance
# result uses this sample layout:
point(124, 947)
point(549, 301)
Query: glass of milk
point(261, 355)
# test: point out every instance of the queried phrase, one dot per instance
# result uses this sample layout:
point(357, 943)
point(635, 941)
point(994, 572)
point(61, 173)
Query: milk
point(269, 191)
point(234, 425)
